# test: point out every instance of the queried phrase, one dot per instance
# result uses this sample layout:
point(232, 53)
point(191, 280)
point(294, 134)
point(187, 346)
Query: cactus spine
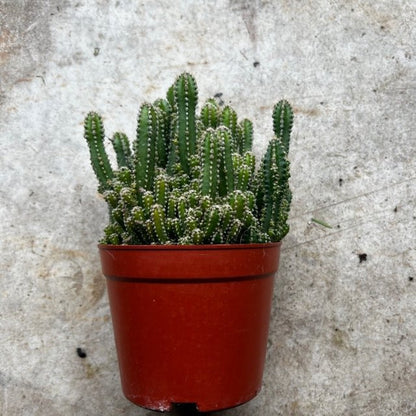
point(191, 178)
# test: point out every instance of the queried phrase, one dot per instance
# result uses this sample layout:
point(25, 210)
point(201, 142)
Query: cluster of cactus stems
point(191, 178)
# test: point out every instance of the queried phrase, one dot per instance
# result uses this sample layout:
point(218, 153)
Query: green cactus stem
point(128, 197)
point(233, 231)
point(182, 213)
point(145, 147)
point(197, 236)
point(210, 114)
point(229, 119)
point(217, 163)
point(122, 150)
point(148, 202)
point(94, 134)
point(210, 225)
point(247, 136)
point(163, 136)
point(185, 99)
point(209, 161)
point(283, 122)
point(161, 189)
point(159, 223)
point(226, 171)
point(244, 168)
point(274, 187)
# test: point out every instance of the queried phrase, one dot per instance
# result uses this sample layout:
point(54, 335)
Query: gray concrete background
point(342, 338)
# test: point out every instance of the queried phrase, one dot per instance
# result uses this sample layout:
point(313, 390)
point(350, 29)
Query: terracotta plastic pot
point(190, 322)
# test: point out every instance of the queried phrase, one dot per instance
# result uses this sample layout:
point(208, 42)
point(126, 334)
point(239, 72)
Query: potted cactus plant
point(191, 248)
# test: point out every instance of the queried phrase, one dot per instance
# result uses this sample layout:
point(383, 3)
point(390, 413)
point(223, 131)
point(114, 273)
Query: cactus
point(185, 100)
point(94, 134)
point(163, 136)
point(145, 147)
point(191, 178)
point(122, 149)
point(274, 194)
point(247, 136)
point(283, 122)
point(216, 163)
point(210, 114)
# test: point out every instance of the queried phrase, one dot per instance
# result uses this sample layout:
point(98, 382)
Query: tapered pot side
point(190, 322)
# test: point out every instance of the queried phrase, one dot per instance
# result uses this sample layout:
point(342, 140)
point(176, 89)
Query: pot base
point(183, 409)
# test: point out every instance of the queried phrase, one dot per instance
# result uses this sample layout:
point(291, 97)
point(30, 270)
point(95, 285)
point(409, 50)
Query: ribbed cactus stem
point(275, 189)
point(268, 187)
point(111, 198)
point(210, 114)
point(245, 168)
point(217, 163)
point(190, 224)
point(227, 216)
point(149, 230)
point(247, 136)
point(158, 218)
point(181, 211)
point(229, 119)
point(170, 96)
point(148, 202)
point(161, 189)
point(209, 162)
point(212, 222)
point(174, 228)
point(138, 215)
point(283, 122)
point(112, 234)
point(94, 134)
point(122, 149)
point(123, 177)
point(238, 202)
point(128, 197)
point(173, 165)
point(233, 231)
point(197, 236)
point(226, 171)
point(164, 111)
point(171, 207)
point(193, 198)
point(117, 216)
point(186, 97)
point(243, 178)
point(145, 147)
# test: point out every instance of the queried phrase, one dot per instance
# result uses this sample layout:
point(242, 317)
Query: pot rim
point(187, 247)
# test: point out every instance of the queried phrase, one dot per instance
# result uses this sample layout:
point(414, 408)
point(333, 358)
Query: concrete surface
point(342, 338)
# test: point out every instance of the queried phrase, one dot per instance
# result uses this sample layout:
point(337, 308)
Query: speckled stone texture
point(342, 335)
